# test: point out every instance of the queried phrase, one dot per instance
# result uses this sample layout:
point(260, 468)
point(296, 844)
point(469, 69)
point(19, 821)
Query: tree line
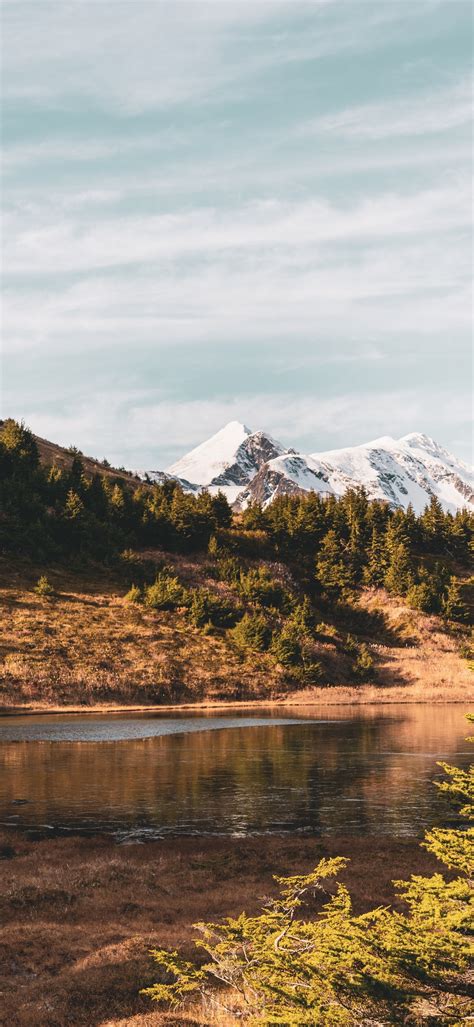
point(333, 545)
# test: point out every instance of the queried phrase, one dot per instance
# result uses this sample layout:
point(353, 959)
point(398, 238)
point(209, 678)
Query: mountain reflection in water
point(345, 770)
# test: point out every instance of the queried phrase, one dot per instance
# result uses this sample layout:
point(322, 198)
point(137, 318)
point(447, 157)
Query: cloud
point(141, 432)
point(433, 113)
point(66, 245)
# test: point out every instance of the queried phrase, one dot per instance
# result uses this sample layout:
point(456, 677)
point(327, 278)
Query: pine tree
point(454, 607)
point(399, 576)
point(332, 572)
point(376, 566)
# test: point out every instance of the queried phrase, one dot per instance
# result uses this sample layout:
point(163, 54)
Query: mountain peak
point(251, 466)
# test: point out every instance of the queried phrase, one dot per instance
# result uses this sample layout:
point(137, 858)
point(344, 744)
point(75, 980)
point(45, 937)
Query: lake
point(360, 769)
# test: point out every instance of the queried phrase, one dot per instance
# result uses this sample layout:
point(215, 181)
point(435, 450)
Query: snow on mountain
point(228, 460)
point(252, 467)
point(285, 475)
point(402, 471)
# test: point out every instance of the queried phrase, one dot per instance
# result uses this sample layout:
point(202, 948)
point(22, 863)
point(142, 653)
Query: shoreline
point(364, 699)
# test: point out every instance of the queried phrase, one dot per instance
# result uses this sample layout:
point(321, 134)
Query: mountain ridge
point(254, 467)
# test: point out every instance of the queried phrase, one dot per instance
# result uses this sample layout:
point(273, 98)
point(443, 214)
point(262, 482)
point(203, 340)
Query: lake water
point(365, 769)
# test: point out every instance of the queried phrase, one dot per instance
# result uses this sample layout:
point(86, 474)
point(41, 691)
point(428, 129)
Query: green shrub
point(252, 632)
point(167, 593)
point(364, 664)
point(257, 586)
point(351, 644)
point(229, 569)
point(286, 648)
point(208, 608)
point(134, 595)
point(301, 617)
point(326, 630)
point(43, 587)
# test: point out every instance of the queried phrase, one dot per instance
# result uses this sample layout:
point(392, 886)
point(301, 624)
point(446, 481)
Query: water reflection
point(365, 769)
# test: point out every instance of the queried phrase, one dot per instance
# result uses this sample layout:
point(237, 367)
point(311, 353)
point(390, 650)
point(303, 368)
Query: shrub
point(134, 595)
point(327, 630)
point(43, 587)
point(286, 648)
point(167, 593)
point(229, 569)
point(207, 608)
point(252, 632)
point(424, 597)
point(257, 586)
point(364, 664)
point(302, 617)
point(351, 645)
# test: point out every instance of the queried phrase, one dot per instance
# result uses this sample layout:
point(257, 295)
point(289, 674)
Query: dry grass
point(79, 915)
point(90, 648)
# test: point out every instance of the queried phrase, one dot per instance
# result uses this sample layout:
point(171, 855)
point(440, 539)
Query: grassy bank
point(79, 915)
point(89, 648)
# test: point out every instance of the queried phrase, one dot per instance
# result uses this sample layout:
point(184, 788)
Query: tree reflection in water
point(350, 770)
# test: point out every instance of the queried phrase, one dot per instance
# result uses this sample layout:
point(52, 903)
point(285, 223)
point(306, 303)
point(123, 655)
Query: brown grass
point(79, 915)
point(88, 647)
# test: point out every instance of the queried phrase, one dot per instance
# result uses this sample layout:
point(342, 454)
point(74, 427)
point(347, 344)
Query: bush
point(134, 595)
point(43, 587)
point(229, 570)
point(286, 648)
point(252, 632)
point(364, 664)
point(167, 593)
point(423, 597)
point(257, 586)
point(207, 608)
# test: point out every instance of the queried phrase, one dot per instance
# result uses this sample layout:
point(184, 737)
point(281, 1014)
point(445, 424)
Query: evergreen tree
point(399, 576)
point(454, 606)
point(332, 572)
point(376, 565)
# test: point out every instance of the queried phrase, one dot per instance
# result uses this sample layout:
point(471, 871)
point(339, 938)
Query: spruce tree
point(399, 576)
point(332, 572)
point(454, 607)
point(376, 565)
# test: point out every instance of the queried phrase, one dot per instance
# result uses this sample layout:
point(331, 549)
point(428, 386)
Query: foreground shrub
point(167, 593)
point(336, 969)
point(252, 633)
point(43, 587)
point(134, 595)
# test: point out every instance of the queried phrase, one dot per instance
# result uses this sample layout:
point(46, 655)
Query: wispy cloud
point(143, 432)
point(412, 116)
point(68, 246)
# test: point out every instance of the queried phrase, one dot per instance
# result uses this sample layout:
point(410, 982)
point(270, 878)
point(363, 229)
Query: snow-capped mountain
point(228, 461)
point(252, 467)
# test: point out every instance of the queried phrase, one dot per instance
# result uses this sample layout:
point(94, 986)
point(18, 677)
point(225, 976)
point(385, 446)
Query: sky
point(254, 211)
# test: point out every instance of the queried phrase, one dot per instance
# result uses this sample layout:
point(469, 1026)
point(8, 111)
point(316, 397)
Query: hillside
point(88, 646)
point(119, 592)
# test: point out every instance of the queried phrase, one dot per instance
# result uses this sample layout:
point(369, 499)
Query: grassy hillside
point(88, 645)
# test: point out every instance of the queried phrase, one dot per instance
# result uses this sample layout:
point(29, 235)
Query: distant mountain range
point(253, 467)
